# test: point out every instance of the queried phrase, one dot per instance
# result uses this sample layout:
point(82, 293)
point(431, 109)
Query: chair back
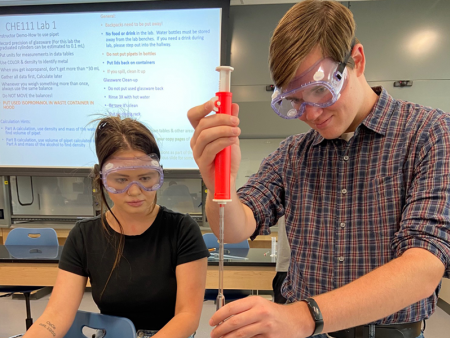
point(241, 245)
point(211, 241)
point(115, 327)
point(24, 236)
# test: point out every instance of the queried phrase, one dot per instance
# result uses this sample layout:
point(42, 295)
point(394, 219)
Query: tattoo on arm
point(49, 326)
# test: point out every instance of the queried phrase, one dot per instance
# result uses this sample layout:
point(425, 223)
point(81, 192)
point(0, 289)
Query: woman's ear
point(359, 58)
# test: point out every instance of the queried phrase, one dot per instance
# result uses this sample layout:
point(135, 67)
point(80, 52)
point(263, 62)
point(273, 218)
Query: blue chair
point(211, 241)
point(36, 236)
point(113, 327)
point(32, 238)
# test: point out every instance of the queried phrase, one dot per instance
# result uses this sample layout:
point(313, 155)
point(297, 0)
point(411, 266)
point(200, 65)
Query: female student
point(144, 262)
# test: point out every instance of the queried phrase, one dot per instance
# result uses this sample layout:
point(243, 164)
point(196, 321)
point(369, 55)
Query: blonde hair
point(328, 25)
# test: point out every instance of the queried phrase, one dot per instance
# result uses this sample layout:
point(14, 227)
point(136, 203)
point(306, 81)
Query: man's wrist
point(315, 315)
point(308, 322)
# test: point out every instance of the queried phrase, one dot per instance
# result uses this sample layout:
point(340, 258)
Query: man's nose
point(311, 113)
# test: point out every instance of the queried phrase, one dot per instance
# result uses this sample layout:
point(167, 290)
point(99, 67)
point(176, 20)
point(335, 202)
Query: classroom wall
point(253, 151)
point(445, 291)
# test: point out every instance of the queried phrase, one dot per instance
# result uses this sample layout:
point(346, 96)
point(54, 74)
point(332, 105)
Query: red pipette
point(222, 170)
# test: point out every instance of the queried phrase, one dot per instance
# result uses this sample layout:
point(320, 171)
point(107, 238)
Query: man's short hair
point(328, 25)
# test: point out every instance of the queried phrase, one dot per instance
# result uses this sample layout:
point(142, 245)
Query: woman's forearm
point(61, 308)
point(48, 326)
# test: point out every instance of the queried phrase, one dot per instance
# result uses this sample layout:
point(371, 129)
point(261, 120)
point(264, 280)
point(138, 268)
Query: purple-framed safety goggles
point(120, 173)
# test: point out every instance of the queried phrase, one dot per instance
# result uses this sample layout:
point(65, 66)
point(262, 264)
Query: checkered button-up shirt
point(353, 206)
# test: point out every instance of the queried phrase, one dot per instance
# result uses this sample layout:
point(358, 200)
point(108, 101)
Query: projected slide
point(59, 71)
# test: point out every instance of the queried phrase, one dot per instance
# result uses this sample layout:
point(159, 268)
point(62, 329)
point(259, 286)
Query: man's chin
point(330, 134)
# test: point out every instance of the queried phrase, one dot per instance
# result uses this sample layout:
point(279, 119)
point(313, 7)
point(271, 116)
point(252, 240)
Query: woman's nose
point(134, 189)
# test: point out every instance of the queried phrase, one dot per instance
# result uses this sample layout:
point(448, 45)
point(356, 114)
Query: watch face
point(316, 312)
point(314, 309)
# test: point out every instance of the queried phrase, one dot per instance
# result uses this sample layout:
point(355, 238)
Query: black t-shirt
point(143, 287)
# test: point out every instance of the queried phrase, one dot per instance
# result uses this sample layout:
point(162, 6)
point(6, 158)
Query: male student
point(365, 192)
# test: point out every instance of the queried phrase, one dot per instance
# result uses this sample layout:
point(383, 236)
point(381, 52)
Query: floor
point(13, 313)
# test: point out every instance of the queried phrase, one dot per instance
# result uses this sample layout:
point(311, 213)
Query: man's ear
point(359, 58)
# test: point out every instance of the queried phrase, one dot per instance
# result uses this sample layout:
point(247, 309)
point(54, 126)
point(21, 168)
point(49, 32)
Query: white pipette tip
point(221, 201)
point(225, 78)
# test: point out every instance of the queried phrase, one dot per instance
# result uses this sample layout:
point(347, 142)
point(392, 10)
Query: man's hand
point(212, 134)
point(258, 317)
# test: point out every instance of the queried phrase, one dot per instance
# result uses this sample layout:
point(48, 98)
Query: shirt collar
point(378, 118)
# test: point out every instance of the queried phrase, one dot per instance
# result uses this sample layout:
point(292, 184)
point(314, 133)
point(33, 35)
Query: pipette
point(222, 170)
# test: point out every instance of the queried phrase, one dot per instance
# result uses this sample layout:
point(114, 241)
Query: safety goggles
point(120, 173)
point(319, 86)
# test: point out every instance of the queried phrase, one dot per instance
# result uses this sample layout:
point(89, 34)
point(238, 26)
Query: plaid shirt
point(353, 206)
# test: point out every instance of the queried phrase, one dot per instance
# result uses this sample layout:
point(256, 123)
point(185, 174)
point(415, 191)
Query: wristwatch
point(316, 315)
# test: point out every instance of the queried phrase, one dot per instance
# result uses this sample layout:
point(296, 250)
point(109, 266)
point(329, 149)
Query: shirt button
point(345, 158)
point(341, 259)
point(344, 191)
point(342, 225)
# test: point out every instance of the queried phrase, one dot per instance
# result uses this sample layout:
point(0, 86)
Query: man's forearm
point(239, 220)
point(382, 292)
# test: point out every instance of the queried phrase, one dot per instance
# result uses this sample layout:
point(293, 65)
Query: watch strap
point(316, 315)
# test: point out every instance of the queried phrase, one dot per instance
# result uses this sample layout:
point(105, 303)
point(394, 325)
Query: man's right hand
point(212, 134)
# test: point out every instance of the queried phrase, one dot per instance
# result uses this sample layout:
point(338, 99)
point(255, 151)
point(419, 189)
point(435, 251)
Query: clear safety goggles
point(319, 86)
point(119, 173)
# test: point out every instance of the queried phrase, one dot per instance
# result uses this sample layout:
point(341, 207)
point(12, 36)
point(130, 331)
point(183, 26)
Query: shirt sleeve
point(190, 246)
point(73, 256)
point(264, 191)
point(426, 216)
